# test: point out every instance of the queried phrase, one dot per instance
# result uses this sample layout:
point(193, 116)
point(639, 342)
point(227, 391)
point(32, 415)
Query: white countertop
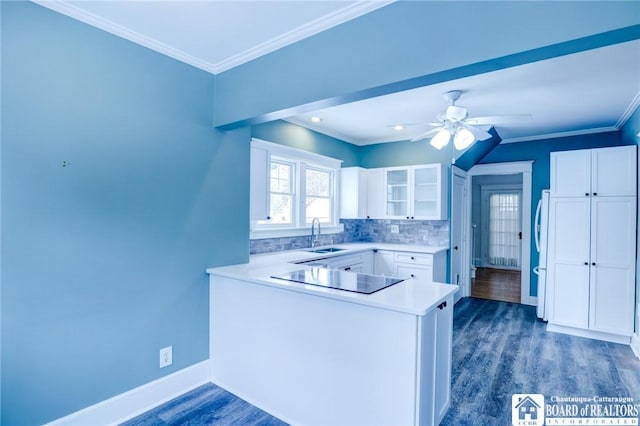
point(410, 296)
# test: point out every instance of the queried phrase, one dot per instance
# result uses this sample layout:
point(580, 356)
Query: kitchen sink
point(327, 250)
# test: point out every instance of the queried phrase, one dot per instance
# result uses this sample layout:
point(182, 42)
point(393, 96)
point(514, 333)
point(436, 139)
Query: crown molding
point(561, 134)
point(316, 26)
point(326, 22)
point(94, 20)
point(633, 106)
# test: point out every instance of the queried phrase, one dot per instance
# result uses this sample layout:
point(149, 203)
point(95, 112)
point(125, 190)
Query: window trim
point(333, 193)
point(302, 159)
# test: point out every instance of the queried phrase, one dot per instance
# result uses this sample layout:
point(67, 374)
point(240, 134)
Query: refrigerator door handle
point(538, 225)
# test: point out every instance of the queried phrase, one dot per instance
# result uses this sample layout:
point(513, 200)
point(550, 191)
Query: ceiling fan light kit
point(462, 138)
point(456, 122)
point(441, 139)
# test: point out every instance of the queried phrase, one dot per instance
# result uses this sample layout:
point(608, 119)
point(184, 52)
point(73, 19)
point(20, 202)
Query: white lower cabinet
point(444, 341)
point(613, 243)
point(591, 264)
point(384, 263)
point(360, 262)
point(422, 266)
point(426, 267)
point(330, 361)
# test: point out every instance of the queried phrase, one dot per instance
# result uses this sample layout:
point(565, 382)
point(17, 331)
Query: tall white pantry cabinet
point(592, 242)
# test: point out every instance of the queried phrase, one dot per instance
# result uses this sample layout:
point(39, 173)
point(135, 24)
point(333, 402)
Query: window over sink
point(290, 187)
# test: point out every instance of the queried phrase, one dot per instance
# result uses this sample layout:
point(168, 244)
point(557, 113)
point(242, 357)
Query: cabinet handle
point(586, 193)
point(413, 258)
point(455, 247)
point(348, 268)
point(586, 263)
point(268, 217)
point(595, 193)
point(593, 263)
point(413, 276)
point(411, 217)
point(407, 217)
point(442, 305)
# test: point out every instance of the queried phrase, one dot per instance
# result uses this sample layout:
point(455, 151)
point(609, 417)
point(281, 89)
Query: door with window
point(504, 228)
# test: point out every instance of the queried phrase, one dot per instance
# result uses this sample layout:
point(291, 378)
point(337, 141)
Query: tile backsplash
point(415, 232)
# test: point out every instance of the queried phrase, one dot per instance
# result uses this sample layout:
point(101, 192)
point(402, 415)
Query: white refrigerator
point(541, 228)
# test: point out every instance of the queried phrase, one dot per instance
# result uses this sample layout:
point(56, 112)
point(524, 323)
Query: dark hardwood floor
point(496, 284)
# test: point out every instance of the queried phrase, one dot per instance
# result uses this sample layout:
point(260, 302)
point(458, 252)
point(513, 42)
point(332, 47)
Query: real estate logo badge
point(527, 409)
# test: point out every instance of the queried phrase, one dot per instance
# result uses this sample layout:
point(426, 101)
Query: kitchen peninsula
point(309, 354)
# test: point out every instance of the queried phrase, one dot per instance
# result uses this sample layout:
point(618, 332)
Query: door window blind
point(504, 229)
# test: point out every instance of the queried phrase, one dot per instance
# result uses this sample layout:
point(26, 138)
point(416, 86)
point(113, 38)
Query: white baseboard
point(597, 335)
point(132, 403)
point(635, 344)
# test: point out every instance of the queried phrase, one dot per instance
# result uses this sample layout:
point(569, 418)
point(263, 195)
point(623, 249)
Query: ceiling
point(586, 92)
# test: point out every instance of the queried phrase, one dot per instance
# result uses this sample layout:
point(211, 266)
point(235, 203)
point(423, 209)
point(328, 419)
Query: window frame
point(332, 194)
point(301, 161)
point(293, 188)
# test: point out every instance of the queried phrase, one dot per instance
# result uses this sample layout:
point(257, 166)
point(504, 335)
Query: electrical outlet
point(166, 356)
point(395, 229)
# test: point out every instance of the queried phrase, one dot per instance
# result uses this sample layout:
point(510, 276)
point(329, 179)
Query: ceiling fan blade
point(479, 134)
point(497, 119)
point(426, 135)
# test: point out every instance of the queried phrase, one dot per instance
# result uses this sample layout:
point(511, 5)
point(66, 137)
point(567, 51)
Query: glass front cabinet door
point(426, 192)
point(397, 193)
point(416, 192)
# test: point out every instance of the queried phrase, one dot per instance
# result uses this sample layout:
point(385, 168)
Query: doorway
point(504, 266)
point(496, 221)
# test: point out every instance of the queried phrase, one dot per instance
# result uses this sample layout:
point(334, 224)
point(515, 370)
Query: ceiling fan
point(456, 122)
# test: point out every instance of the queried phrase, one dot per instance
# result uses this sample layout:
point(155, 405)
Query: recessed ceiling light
point(316, 120)
point(398, 127)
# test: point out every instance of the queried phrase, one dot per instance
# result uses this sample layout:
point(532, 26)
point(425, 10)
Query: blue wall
point(539, 151)
point(289, 134)
point(628, 135)
point(103, 261)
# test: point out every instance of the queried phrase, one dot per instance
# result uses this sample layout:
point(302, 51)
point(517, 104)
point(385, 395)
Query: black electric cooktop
point(340, 280)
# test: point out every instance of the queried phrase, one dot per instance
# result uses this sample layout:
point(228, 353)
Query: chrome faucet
point(314, 237)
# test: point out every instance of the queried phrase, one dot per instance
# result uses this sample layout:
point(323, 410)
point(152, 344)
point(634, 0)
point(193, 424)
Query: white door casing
point(460, 270)
point(515, 167)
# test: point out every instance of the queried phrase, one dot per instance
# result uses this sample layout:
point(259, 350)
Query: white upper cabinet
point(375, 194)
point(353, 193)
point(571, 173)
point(594, 172)
point(397, 193)
point(428, 200)
point(613, 171)
point(416, 192)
